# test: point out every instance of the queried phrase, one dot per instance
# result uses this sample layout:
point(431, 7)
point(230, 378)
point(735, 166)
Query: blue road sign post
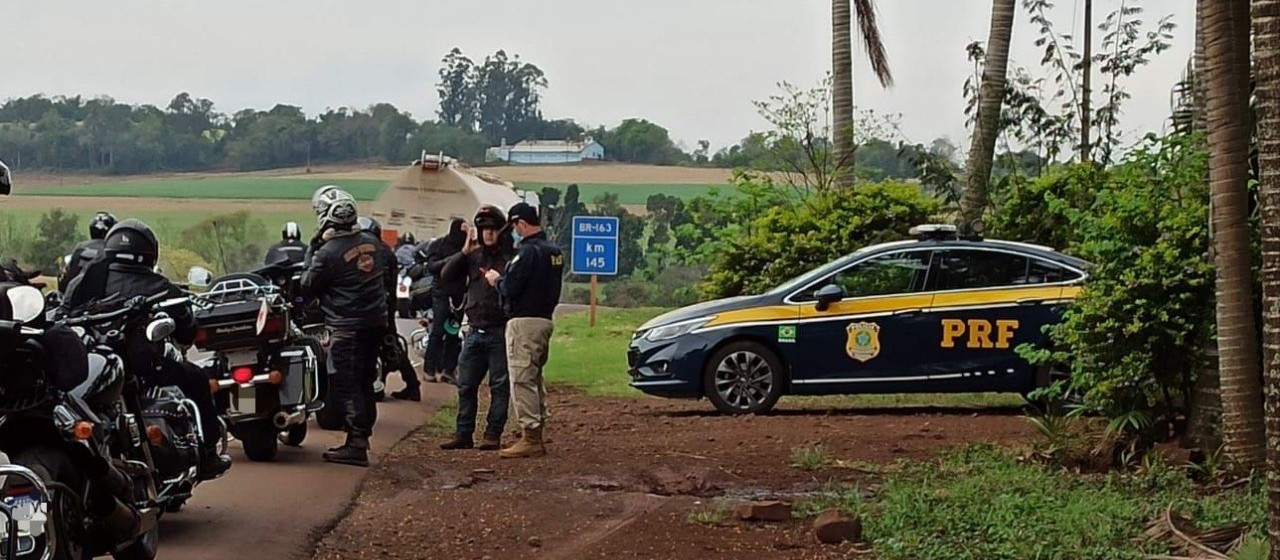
point(595, 251)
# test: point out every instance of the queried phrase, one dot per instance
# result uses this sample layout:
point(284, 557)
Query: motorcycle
point(89, 459)
point(265, 369)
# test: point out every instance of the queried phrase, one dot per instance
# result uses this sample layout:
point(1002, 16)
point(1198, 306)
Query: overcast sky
point(693, 66)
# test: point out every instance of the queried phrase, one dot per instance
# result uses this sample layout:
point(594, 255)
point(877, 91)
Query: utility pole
point(1087, 69)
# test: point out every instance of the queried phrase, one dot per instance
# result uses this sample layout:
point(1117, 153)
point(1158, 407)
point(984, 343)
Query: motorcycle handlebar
point(132, 306)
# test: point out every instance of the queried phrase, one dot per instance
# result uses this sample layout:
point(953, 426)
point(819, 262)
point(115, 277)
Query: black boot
point(212, 465)
point(347, 455)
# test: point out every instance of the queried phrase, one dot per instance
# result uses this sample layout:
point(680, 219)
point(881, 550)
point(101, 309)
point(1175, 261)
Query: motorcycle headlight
point(668, 332)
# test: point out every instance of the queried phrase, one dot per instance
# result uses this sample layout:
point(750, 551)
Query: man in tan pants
point(530, 290)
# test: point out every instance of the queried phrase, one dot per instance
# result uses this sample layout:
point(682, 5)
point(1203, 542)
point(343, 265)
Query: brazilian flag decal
point(786, 333)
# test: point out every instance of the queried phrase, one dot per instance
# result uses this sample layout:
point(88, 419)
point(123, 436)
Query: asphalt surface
point(274, 510)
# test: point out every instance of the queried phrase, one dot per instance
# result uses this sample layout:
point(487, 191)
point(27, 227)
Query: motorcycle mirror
point(6, 181)
point(26, 302)
point(160, 329)
point(199, 276)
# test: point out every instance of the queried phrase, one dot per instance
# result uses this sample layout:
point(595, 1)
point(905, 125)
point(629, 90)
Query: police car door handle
point(1030, 301)
point(906, 312)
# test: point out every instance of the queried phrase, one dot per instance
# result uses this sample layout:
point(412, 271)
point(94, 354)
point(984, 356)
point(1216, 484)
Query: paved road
point(271, 510)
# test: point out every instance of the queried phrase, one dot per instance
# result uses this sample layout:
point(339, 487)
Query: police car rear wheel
point(743, 378)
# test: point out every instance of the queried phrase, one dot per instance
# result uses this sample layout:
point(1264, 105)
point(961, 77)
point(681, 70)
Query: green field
point(234, 188)
point(595, 359)
point(631, 194)
point(168, 224)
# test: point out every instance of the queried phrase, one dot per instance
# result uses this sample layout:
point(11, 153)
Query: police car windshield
point(820, 272)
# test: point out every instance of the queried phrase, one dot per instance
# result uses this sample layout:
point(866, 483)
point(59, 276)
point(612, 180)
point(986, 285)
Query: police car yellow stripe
point(887, 304)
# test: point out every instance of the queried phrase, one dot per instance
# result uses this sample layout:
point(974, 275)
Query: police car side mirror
point(199, 276)
point(6, 180)
point(828, 295)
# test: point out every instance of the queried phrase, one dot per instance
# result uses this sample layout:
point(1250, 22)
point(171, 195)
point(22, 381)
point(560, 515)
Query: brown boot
point(458, 442)
point(490, 442)
point(529, 446)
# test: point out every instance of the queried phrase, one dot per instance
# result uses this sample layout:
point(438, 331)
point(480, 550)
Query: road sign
point(595, 245)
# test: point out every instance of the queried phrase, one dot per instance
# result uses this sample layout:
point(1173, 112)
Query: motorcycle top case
point(235, 325)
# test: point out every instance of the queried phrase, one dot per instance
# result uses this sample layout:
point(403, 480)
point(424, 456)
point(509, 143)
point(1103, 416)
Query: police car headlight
point(668, 332)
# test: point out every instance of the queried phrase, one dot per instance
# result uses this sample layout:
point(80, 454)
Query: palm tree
point(1226, 23)
point(1266, 29)
point(842, 76)
point(983, 146)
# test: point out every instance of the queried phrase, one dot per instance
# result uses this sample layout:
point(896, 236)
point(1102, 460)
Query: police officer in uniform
point(125, 269)
point(530, 291)
point(350, 273)
point(86, 251)
point(289, 248)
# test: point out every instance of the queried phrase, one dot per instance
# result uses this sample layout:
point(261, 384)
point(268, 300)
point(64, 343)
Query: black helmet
point(132, 241)
point(370, 225)
point(407, 238)
point(291, 232)
point(490, 217)
point(101, 223)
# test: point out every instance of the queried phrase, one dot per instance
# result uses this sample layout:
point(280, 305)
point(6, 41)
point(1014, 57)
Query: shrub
point(230, 242)
point(577, 295)
point(56, 234)
point(627, 294)
point(1042, 209)
point(176, 261)
point(787, 240)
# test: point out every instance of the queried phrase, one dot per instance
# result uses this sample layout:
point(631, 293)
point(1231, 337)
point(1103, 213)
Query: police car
point(938, 313)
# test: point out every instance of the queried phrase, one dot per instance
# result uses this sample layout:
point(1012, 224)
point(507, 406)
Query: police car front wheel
point(744, 378)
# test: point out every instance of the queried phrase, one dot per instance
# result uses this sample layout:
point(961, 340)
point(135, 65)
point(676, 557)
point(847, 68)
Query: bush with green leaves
point(1043, 209)
point(229, 242)
point(628, 293)
point(1133, 337)
point(785, 240)
point(56, 234)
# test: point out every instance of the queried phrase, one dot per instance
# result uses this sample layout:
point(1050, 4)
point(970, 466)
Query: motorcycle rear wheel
point(294, 435)
point(259, 441)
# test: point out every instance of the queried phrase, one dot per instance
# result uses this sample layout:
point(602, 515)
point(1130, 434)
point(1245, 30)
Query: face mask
point(516, 235)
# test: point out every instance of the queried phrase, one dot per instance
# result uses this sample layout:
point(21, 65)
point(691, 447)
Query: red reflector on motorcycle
point(242, 374)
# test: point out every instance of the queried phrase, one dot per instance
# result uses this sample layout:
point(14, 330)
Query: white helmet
point(334, 207)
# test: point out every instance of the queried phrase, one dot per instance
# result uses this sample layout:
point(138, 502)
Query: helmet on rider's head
point(490, 217)
point(291, 232)
point(407, 238)
point(370, 225)
point(334, 207)
point(101, 223)
point(133, 242)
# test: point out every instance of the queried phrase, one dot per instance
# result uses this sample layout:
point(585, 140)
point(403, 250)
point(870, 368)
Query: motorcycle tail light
point(156, 435)
point(202, 336)
point(242, 374)
point(83, 430)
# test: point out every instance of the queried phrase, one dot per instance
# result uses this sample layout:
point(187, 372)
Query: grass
point(983, 502)
point(710, 515)
point(235, 188)
point(631, 193)
point(594, 360)
point(443, 421)
point(810, 458)
point(169, 224)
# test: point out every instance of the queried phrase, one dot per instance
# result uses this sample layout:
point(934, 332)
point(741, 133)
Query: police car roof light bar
point(934, 231)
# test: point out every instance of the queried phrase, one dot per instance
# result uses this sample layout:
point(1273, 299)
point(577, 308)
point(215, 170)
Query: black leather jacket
point(295, 251)
point(531, 285)
point(353, 275)
point(103, 279)
point(466, 272)
point(83, 253)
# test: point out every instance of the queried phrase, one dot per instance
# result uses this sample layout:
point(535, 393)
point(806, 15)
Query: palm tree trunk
point(842, 91)
point(983, 146)
point(1266, 26)
point(1227, 88)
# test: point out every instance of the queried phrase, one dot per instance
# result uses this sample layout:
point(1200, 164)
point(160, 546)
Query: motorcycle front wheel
point(54, 468)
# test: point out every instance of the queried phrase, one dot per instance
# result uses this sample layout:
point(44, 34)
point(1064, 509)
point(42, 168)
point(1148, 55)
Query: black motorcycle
point(91, 458)
point(265, 367)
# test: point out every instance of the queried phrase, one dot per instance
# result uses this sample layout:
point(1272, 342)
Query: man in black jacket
point(530, 291)
point(349, 273)
point(126, 269)
point(484, 348)
point(86, 251)
point(289, 248)
point(442, 347)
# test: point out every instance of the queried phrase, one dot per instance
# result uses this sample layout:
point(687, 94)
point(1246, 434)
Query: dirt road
point(272, 510)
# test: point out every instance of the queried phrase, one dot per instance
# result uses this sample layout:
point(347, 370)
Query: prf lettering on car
point(979, 332)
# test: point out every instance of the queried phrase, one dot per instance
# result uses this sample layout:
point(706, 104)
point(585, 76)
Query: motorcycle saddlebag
point(180, 448)
point(299, 366)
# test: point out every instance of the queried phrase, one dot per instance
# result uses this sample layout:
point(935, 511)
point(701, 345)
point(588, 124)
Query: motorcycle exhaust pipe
point(114, 516)
point(283, 420)
point(109, 478)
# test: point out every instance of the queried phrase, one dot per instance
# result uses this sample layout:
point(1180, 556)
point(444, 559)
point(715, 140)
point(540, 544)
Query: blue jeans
point(483, 352)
